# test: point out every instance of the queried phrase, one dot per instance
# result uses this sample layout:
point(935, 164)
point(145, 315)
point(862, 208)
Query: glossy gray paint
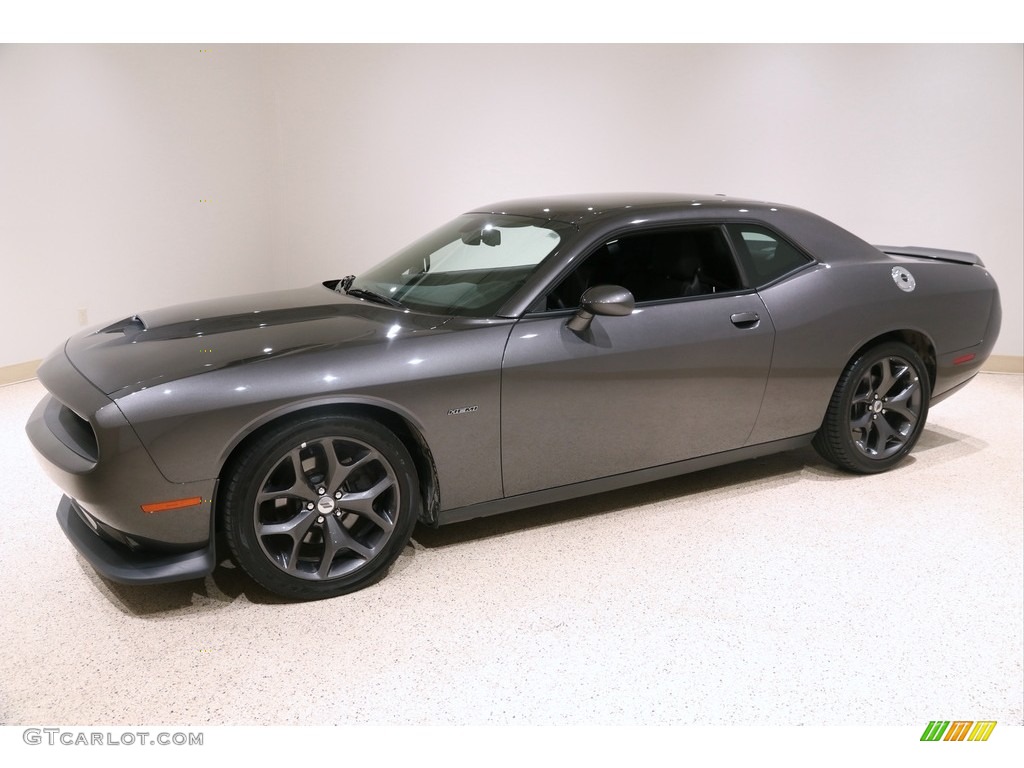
point(124, 477)
point(512, 410)
point(672, 381)
point(854, 304)
point(418, 366)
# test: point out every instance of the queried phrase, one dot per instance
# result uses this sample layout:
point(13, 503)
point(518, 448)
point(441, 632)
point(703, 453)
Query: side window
point(765, 255)
point(655, 266)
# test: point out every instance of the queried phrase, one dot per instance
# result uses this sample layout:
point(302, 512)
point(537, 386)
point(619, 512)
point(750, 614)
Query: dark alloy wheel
point(877, 411)
point(323, 507)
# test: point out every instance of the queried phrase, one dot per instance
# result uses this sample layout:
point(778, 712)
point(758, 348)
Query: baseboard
point(10, 374)
point(1004, 364)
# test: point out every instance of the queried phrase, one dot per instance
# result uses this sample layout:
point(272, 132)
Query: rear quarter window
point(765, 255)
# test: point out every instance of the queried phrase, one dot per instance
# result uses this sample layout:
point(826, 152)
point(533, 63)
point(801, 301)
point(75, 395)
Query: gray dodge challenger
point(529, 351)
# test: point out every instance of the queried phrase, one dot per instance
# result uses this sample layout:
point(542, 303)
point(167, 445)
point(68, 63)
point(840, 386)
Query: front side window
point(469, 267)
point(655, 266)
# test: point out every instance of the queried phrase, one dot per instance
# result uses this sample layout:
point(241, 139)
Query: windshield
point(470, 266)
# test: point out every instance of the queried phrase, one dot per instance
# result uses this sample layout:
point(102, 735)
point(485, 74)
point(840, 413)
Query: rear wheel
point(322, 507)
point(877, 411)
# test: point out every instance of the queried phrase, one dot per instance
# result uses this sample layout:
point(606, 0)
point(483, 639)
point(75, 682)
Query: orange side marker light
point(163, 506)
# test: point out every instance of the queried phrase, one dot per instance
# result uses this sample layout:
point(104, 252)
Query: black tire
point(307, 526)
point(877, 411)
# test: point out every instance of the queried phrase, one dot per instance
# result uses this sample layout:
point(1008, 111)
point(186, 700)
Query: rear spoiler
point(958, 257)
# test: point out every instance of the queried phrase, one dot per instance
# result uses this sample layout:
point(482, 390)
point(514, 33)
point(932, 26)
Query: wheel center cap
point(876, 407)
point(325, 504)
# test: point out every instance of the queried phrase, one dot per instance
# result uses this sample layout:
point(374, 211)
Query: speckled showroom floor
point(777, 591)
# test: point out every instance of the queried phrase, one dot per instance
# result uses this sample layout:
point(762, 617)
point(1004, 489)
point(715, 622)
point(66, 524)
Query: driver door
point(683, 376)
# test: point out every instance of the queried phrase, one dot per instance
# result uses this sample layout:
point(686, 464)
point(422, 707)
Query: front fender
point(192, 425)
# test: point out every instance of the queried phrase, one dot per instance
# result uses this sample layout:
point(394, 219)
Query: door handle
point(746, 319)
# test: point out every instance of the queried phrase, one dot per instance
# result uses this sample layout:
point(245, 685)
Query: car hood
point(175, 342)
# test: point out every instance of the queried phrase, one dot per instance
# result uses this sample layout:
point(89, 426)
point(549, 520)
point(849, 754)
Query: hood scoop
point(130, 327)
point(164, 328)
point(207, 336)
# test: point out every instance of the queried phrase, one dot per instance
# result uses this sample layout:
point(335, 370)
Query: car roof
point(824, 240)
point(588, 208)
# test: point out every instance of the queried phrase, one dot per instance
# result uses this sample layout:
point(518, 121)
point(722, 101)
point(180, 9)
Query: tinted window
point(765, 255)
point(655, 266)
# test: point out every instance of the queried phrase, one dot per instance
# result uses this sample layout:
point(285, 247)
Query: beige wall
point(105, 154)
point(320, 160)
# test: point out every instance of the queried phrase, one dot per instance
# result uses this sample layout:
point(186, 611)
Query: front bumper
point(118, 562)
point(119, 509)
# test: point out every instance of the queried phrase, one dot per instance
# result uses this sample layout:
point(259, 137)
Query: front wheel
point(877, 411)
point(321, 507)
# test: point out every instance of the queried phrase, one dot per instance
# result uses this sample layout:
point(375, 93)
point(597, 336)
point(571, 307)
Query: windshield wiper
point(362, 293)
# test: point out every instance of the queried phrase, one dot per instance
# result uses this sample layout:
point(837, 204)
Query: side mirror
point(608, 300)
